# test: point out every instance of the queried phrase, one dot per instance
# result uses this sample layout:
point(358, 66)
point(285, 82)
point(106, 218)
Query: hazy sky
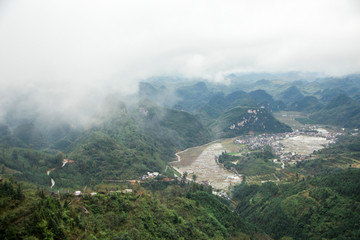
point(68, 51)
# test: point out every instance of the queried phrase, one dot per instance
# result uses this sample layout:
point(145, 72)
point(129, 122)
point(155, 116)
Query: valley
point(239, 151)
point(186, 120)
point(288, 148)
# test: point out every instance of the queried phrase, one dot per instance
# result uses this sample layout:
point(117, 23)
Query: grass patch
point(305, 120)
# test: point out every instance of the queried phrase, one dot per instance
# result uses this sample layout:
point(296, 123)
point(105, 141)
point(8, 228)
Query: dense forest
point(326, 206)
point(177, 211)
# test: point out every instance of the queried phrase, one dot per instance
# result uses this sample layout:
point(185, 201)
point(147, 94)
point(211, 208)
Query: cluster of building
point(125, 191)
point(150, 175)
point(258, 142)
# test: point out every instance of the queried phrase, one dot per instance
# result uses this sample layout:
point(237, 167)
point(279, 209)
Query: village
point(290, 147)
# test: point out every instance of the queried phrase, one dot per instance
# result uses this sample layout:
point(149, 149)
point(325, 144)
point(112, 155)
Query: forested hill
point(326, 206)
point(321, 199)
point(174, 212)
point(120, 143)
point(314, 97)
point(242, 120)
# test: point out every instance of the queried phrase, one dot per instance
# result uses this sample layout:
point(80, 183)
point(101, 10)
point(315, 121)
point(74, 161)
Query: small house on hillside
point(77, 193)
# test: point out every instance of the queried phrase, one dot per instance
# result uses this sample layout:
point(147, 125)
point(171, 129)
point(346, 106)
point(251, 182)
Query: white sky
point(76, 49)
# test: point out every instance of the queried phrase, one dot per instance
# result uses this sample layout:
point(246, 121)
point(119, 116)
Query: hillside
point(306, 104)
point(219, 103)
point(173, 128)
point(290, 95)
point(176, 212)
point(242, 120)
point(325, 206)
point(341, 110)
point(118, 144)
point(192, 97)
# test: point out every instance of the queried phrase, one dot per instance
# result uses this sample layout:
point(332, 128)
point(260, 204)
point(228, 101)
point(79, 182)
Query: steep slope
point(30, 135)
point(137, 215)
point(262, 98)
point(162, 95)
point(172, 128)
point(307, 104)
point(119, 144)
point(326, 206)
point(219, 103)
point(328, 94)
point(341, 111)
point(242, 120)
point(350, 84)
point(192, 97)
point(290, 95)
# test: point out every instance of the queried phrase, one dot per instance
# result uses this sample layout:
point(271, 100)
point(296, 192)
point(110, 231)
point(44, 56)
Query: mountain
point(325, 206)
point(341, 111)
point(242, 120)
point(119, 143)
point(307, 104)
point(291, 95)
point(30, 135)
point(162, 95)
point(263, 99)
point(261, 96)
point(328, 94)
point(349, 84)
point(188, 212)
point(174, 128)
point(340, 101)
point(192, 97)
point(219, 103)
point(317, 198)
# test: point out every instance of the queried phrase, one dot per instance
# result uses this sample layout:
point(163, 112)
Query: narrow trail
point(49, 171)
point(64, 162)
point(178, 160)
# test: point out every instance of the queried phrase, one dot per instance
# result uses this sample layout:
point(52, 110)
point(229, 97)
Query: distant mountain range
point(316, 198)
point(125, 141)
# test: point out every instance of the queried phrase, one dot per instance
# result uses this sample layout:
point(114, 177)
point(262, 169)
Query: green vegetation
point(240, 120)
point(314, 199)
point(344, 154)
point(27, 164)
point(341, 110)
point(121, 144)
point(228, 160)
point(188, 212)
point(307, 104)
point(326, 206)
point(305, 121)
point(171, 128)
point(291, 94)
point(255, 163)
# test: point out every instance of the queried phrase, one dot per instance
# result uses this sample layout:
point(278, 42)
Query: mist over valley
point(179, 120)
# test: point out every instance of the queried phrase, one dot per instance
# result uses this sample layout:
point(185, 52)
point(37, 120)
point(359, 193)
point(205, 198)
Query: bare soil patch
point(304, 144)
point(201, 162)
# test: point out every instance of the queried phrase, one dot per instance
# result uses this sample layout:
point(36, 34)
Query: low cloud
point(66, 56)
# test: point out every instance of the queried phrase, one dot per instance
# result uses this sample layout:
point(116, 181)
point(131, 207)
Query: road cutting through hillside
point(205, 167)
